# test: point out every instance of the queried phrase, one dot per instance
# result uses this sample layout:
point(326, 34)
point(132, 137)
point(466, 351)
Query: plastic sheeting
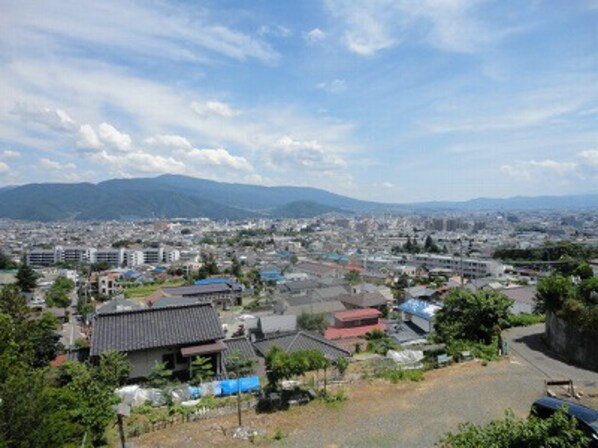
point(407, 358)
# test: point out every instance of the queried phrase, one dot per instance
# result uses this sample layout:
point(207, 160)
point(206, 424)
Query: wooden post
point(121, 430)
point(238, 394)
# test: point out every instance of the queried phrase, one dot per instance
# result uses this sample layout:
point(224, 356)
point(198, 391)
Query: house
point(523, 297)
point(302, 340)
point(317, 270)
point(220, 292)
point(420, 313)
point(173, 335)
point(354, 323)
point(267, 326)
point(365, 300)
point(421, 293)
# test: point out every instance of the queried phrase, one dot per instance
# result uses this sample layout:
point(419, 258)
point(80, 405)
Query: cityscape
point(298, 224)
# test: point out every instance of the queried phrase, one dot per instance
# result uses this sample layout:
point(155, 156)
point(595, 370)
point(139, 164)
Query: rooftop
point(155, 327)
point(357, 314)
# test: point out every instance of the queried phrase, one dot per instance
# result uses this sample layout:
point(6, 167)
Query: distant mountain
point(303, 209)
point(171, 196)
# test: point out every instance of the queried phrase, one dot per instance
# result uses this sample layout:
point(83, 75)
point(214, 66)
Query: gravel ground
point(378, 413)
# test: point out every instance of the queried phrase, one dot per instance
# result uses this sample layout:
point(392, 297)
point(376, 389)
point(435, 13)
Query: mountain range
point(175, 196)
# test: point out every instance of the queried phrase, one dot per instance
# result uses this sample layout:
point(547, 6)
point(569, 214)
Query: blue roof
point(269, 272)
point(419, 308)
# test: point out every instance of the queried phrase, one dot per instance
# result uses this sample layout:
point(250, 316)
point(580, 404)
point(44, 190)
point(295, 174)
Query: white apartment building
point(469, 266)
point(134, 258)
point(153, 255)
point(172, 255)
point(76, 254)
point(43, 257)
point(114, 257)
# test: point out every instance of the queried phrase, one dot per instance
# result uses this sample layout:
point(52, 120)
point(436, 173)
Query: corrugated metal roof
point(420, 308)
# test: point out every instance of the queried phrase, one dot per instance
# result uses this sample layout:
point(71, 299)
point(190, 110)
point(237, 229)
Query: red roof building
point(353, 323)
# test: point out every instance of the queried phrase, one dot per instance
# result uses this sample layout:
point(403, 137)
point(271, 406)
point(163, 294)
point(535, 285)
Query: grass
point(525, 319)
point(140, 291)
point(388, 370)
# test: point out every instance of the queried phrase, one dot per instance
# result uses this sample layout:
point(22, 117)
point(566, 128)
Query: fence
point(137, 427)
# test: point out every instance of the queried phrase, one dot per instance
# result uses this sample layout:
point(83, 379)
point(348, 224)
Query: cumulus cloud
point(274, 30)
point(87, 138)
point(169, 141)
point(211, 108)
point(335, 86)
point(307, 155)
point(219, 157)
point(53, 165)
point(55, 119)
point(113, 138)
point(4, 168)
point(315, 35)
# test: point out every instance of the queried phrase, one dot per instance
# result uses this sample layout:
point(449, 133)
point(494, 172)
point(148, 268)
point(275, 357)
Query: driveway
point(526, 345)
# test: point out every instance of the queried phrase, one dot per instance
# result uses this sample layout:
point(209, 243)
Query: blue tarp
point(226, 387)
point(214, 281)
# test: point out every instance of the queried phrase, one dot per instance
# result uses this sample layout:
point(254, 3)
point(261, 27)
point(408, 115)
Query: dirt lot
point(378, 413)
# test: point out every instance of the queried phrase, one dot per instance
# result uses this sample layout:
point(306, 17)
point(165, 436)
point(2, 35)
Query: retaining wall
point(576, 347)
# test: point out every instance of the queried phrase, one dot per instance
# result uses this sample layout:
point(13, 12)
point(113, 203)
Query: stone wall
point(576, 347)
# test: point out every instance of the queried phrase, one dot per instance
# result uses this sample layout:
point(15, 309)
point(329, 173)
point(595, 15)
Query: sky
point(391, 101)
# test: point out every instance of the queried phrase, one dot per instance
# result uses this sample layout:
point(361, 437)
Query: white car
point(245, 317)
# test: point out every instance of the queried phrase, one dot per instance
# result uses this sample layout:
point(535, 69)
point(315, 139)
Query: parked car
point(587, 418)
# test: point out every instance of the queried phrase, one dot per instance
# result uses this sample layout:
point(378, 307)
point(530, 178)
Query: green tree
point(312, 322)
point(553, 292)
point(6, 262)
point(201, 370)
point(58, 294)
point(430, 245)
point(281, 365)
point(353, 277)
point(557, 431)
point(588, 291)
point(239, 366)
point(113, 369)
point(476, 317)
point(26, 278)
point(160, 376)
point(235, 267)
point(583, 271)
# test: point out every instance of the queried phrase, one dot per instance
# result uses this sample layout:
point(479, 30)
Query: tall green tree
point(6, 262)
point(160, 375)
point(476, 317)
point(113, 369)
point(26, 278)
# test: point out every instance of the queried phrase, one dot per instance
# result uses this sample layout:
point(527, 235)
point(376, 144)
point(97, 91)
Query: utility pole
point(461, 259)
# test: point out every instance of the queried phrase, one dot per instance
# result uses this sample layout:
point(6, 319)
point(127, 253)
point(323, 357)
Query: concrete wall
point(570, 343)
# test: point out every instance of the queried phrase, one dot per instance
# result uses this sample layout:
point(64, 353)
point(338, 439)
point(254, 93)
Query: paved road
point(527, 346)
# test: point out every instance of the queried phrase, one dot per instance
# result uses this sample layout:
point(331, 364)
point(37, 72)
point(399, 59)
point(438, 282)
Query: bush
point(487, 352)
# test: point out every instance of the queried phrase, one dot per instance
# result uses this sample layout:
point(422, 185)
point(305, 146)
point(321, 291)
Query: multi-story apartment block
point(134, 258)
point(76, 254)
point(469, 267)
point(43, 257)
point(153, 255)
point(114, 257)
point(171, 255)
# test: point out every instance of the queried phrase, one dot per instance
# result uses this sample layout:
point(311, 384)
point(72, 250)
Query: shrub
point(525, 319)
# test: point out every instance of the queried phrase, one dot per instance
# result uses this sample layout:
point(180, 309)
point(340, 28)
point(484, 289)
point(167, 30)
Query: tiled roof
point(364, 300)
point(524, 294)
point(357, 314)
point(242, 346)
point(343, 333)
point(217, 288)
point(302, 341)
point(155, 327)
point(278, 324)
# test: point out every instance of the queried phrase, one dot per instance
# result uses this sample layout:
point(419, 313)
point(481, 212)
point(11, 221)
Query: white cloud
point(529, 170)
point(88, 139)
point(113, 138)
point(219, 157)
point(589, 157)
point(387, 185)
point(169, 141)
point(335, 86)
point(374, 25)
point(53, 165)
point(308, 156)
point(54, 119)
point(10, 154)
point(274, 30)
point(315, 35)
point(158, 30)
point(4, 168)
point(213, 108)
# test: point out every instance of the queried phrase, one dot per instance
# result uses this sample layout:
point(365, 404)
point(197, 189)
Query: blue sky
point(395, 101)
